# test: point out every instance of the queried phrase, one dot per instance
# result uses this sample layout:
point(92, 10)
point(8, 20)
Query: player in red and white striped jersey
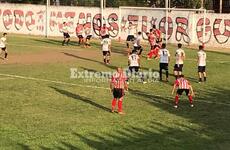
point(118, 85)
point(183, 85)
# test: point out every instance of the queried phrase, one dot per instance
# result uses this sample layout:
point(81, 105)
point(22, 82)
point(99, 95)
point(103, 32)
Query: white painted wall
point(186, 26)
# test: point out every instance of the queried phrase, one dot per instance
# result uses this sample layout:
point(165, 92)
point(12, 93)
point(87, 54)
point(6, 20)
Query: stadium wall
point(185, 27)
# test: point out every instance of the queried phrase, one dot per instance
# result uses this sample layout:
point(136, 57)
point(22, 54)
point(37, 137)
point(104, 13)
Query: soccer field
point(41, 107)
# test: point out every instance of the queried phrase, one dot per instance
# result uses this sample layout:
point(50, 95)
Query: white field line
point(7, 78)
point(59, 47)
point(51, 81)
point(10, 76)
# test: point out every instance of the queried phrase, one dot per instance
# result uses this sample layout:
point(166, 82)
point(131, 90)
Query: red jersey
point(79, 29)
point(158, 33)
point(151, 39)
point(182, 83)
point(119, 80)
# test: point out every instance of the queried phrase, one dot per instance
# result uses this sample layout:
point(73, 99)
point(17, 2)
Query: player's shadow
point(81, 98)
point(87, 59)
point(54, 42)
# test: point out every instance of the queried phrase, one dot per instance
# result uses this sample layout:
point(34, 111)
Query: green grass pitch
point(40, 114)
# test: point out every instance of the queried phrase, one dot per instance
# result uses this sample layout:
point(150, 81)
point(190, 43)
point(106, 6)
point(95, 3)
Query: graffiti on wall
point(177, 27)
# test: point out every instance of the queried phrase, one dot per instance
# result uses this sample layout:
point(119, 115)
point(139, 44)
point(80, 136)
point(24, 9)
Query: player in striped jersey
point(3, 45)
point(183, 85)
point(65, 34)
point(118, 86)
point(201, 60)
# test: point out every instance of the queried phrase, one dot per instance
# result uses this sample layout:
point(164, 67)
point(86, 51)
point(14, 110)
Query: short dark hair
point(163, 45)
point(64, 22)
point(139, 33)
point(154, 26)
point(4, 34)
point(150, 30)
point(179, 45)
point(201, 47)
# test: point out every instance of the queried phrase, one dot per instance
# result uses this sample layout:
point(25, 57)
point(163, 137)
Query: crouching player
point(118, 86)
point(106, 49)
point(3, 45)
point(183, 85)
point(153, 52)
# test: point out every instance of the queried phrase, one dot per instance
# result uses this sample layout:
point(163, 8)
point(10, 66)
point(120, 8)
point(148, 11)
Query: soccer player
point(104, 32)
point(180, 56)
point(106, 49)
point(183, 85)
point(201, 60)
point(158, 35)
point(65, 34)
point(3, 45)
point(79, 33)
point(164, 56)
point(152, 38)
point(88, 35)
point(134, 64)
point(131, 32)
point(153, 52)
point(118, 86)
point(137, 43)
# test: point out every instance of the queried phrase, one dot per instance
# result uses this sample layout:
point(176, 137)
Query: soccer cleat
point(191, 105)
point(175, 106)
point(144, 82)
point(121, 113)
point(112, 111)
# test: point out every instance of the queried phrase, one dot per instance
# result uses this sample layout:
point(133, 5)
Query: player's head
point(119, 70)
point(139, 33)
point(163, 45)
point(104, 25)
point(179, 45)
point(64, 22)
point(201, 47)
point(130, 23)
point(4, 34)
point(154, 26)
point(151, 30)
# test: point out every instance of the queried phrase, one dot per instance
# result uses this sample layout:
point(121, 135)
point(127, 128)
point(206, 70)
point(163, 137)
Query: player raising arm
point(201, 61)
point(118, 86)
point(106, 49)
point(3, 45)
point(183, 85)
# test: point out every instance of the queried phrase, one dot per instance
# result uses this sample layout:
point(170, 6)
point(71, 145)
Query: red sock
point(190, 99)
point(114, 102)
point(176, 99)
point(120, 105)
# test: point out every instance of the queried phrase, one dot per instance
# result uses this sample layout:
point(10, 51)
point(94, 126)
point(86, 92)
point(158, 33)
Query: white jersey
point(133, 59)
point(105, 44)
point(180, 54)
point(137, 41)
point(131, 30)
point(2, 42)
point(164, 55)
point(201, 58)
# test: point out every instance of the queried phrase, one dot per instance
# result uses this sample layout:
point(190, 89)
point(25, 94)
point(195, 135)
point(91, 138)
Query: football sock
point(6, 55)
point(63, 42)
point(167, 74)
point(104, 60)
point(200, 80)
point(120, 105)
point(114, 103)
point(190, 99)
point(68, 42)
point(176, 99)
point(205, 79)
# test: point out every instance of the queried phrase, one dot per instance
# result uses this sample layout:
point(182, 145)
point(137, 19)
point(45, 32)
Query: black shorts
point(201, 69)
point(88, 37)
point(134, 69)
point(180, 91)
point(4, 48)
point(80, 36)
point(164, 66)
point(105, 36)
point(118, 93)
point(66, 35)
point(130, 38)
point(178, 67)
point(106, 53)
